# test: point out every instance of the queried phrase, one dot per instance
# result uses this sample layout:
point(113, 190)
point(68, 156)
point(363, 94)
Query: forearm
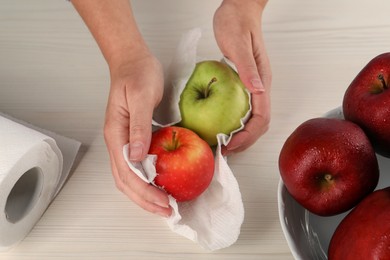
point(114, 28)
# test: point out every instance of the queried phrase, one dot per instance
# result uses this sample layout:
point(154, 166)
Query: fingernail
point(233, 145)
point(163, 214)
point(224, 151)
point(162, 204)
point(230, 150)
point(136, 151)
point(257, 85)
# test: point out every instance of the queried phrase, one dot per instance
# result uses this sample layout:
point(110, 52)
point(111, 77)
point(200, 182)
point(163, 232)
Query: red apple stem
point(207, 90)
point(175, 142)
point(382, 79)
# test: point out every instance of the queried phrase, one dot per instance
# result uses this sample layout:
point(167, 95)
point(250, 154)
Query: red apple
point(365, 232)
point(185, 162)
point(367, 102)
point(328, 165)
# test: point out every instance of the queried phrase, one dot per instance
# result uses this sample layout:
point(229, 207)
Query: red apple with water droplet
point(365, 232)
point(328, 165)
point(367, 102)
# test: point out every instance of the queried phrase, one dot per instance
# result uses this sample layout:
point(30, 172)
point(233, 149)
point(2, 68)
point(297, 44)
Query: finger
point(140, 127)
point(263, 66)
point(246, 137)
point(256, 126)
point(143, 194)
point(247, 68)
point(141, 101)
point(148, 197)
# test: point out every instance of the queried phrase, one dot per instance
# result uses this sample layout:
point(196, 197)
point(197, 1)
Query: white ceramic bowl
point(307, 234)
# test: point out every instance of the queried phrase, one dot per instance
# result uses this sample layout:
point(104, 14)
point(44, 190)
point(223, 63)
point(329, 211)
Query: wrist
point(131, 60)
point(126, 52)
point(259, 5)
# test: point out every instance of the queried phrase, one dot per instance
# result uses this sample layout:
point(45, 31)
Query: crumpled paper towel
point(213, 219)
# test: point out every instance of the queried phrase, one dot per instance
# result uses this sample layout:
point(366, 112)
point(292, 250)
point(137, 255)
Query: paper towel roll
point(30, 176)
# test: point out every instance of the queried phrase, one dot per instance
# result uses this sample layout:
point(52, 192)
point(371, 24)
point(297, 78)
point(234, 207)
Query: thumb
point(140, 131)
point(248, 72)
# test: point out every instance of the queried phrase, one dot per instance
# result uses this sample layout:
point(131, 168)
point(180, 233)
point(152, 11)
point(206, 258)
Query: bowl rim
point(336, 112)
point(281, 210)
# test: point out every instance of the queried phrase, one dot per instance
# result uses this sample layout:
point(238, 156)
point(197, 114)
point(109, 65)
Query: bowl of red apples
point(334, 192)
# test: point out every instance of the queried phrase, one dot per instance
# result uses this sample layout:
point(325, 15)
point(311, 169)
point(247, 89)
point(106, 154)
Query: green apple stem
point(207, 90)
point(382, 79)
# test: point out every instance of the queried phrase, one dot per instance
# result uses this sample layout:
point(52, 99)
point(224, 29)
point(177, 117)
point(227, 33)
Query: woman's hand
point(136, 89)
point(237, 29)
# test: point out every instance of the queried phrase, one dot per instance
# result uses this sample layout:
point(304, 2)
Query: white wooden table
point(53, 75)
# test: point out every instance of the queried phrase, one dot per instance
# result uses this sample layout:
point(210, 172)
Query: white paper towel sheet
point(214, 219)
point(33, 168)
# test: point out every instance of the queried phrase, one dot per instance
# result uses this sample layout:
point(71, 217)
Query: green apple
point(213, 101)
